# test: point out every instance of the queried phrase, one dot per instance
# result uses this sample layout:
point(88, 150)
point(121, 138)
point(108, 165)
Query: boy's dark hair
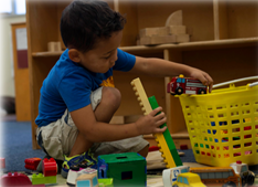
point(85, 21)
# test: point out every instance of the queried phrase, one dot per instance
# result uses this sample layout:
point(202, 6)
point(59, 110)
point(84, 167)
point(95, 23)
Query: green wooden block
point(126, 169)
point(167, 136)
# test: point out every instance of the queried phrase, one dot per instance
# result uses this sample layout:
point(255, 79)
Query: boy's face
point(103, 56)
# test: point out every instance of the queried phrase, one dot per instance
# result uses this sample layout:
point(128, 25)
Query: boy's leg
point(104, 107)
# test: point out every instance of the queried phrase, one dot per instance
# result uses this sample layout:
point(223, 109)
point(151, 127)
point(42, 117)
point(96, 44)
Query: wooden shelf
point(229, 43)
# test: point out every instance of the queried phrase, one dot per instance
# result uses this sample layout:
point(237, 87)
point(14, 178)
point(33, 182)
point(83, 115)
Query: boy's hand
point(204, 77)
point(150, 123)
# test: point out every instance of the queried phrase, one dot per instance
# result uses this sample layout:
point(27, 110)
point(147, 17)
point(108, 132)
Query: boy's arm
point(95, 131)
point(160, 67)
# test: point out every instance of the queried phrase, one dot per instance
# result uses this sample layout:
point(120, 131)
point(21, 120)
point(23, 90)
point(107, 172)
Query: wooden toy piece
point(154, 31)
point(32, 163)
point(154, 40)
point(75, 172)
point(87, 180)
point(49, 167)
point(146, 108)
point(2, 163)
point(180, 38)
point(54, 46)
point(176, 29)
point(176, 18)
point(126, 169)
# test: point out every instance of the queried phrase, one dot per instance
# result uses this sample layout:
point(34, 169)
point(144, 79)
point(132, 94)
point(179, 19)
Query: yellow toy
point(159, 137)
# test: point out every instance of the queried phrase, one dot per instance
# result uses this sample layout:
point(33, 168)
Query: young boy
point(78, 97)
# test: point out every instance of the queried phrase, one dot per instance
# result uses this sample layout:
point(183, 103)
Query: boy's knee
point(111, 96)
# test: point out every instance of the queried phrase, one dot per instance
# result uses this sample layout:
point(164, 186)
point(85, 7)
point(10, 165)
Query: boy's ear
point(74, 55)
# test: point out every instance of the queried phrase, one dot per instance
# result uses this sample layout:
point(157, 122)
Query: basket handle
point(238, 80)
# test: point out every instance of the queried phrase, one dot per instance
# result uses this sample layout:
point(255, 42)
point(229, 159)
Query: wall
point(7, 87)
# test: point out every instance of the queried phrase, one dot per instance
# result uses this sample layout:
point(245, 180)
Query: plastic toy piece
point(2, 163)
point(247, 176)
point(16, 179)
point(146, 108)
point(126, 169)
point(187, 85)
point(153, 148)
point(170, 175)
point(183, 147)
point(32, 163)
point(41, 179)
point(49, 167)
point(74, 173)
point(87, 180)
point(106, 182)
point(188, 180)
point(219, 175)
point(166, 134)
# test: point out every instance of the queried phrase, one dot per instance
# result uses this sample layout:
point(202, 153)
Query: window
point(12, 7)
point(186, 181)
point(178, 80)
point(94, 181)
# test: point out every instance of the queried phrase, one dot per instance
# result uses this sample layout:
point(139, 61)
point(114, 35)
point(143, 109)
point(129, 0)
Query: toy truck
point(241, 169)
point(170, 175)
point(179, 85)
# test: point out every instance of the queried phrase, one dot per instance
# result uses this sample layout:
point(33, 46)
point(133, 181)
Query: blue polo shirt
point(69, 85)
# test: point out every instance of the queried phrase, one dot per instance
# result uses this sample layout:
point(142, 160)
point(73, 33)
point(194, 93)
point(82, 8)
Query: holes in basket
point(248, 152)
point(247, 136)
point(226, 155)
point(234, 130)
point(210, 139)
point(224, 139)
point(248, 144)
point(207, 146)
point(256, 126)
point(221, 107)
point(202, 152)
point(209, 108)
point(226, 148)
point(208, 154)
point(236, 146)
point(216, 140)
point(222, 115)
point(235, 113)
point(205, 139)
point(197, 151)
point(256, 119)
point(237, 154)
point(212, 147)
point(213, 124)
point(247, 120)
point(224, 131)
point(246, 112)
point(196, 145)
point(201, 145)
point(235, 121)
point(236, 138)
point(247, 128)
point(223, 123)
point(211, 116)
point(234, 106)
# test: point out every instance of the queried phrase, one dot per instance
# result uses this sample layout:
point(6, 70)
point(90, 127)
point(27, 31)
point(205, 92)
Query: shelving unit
point(224, 40)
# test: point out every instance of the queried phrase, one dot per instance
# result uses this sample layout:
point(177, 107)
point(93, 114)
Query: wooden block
point(159, 31)
point(177, 29)
point(180, 38)
point(176, 18)
point(158, 40)
point(54, 46)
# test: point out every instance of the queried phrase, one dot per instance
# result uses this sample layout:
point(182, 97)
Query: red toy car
point(181, 84)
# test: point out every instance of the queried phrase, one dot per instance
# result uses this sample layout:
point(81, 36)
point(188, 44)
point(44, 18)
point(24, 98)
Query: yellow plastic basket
point(223, 125)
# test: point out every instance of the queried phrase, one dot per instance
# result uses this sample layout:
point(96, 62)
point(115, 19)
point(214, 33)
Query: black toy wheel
point(179, 90)
point(202, 91)
point(229, 184)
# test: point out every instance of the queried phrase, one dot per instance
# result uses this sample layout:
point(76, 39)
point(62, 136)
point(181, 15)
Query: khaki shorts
point(57, 138)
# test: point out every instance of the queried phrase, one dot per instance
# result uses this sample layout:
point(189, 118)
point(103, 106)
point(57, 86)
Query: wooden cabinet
point(224, 38)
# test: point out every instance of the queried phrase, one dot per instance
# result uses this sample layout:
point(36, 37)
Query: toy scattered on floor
point(219, 176)
point(87, 180)
point(179, 85)
point(2, 163)
point(49, 168)
point(32, 163)
point(188, 180)
point(164, 140)
point(126, 169)
point(106, 182)
point(173, 32)
point(16, 179)
point(75, 172)
point(170, 175)
point(246, 175)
